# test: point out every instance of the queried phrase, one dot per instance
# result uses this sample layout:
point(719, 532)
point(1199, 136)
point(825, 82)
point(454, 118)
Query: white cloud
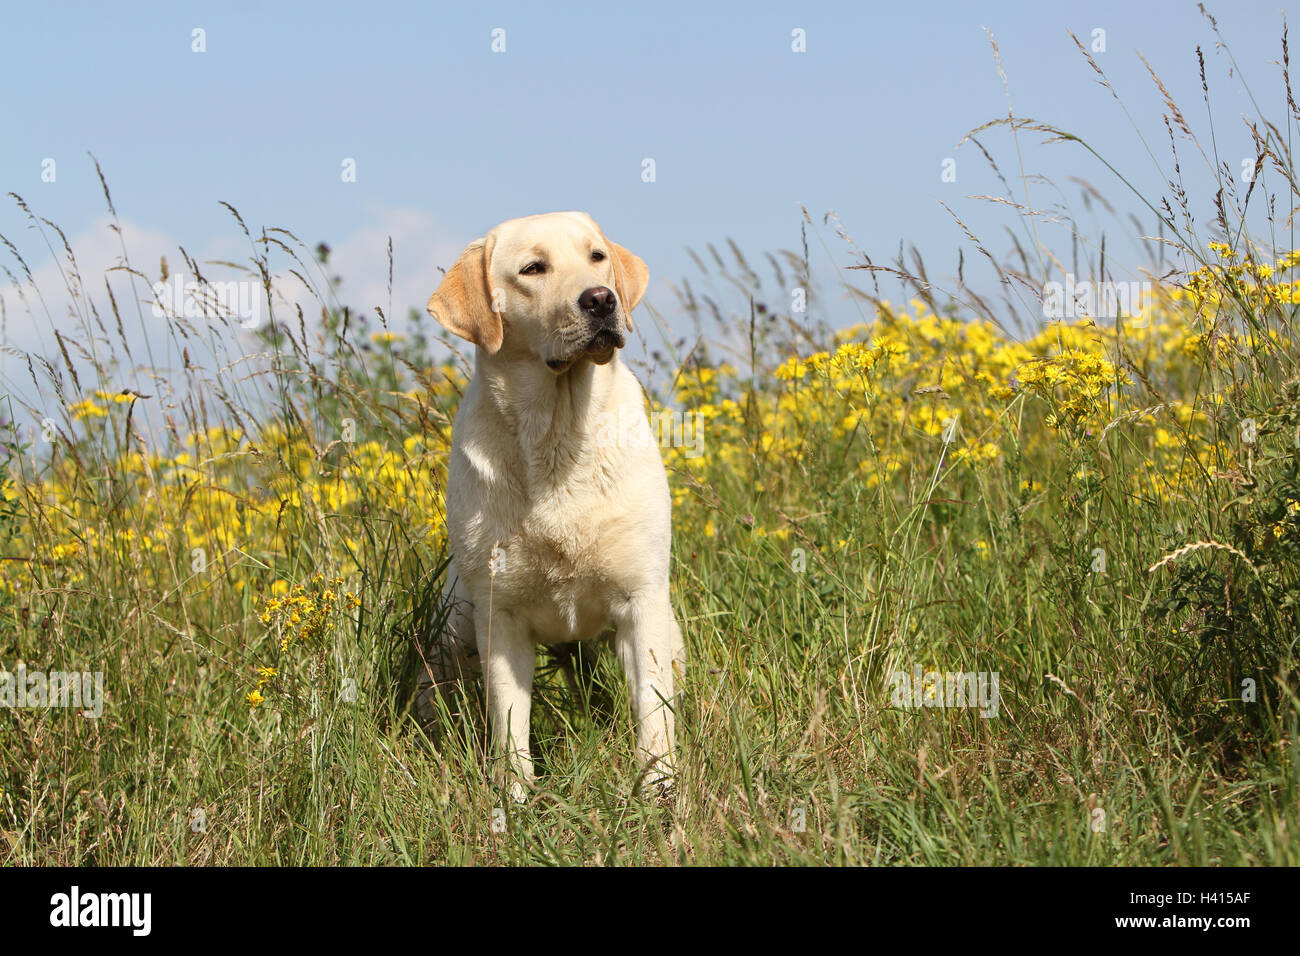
point(54, 300)
point(420, 246)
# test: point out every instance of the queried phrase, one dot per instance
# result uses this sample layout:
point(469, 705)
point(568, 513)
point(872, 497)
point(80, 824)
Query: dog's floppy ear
point(630, 278)
point(463, 302)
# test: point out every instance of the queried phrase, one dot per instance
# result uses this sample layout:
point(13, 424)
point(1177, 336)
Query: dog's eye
point(597, 256)
point(533, 269)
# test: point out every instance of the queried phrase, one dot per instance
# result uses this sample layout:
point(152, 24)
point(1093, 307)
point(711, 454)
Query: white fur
point(558, 530)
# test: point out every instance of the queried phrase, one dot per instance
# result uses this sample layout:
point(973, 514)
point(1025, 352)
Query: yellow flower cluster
point(1249, 283)
point(301, 615)
point(911, 390)
point(264, 676)
point(228, 505)
point(305, 612)
point(1075, 383)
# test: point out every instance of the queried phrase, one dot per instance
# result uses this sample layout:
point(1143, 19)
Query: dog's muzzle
point(606, 337)
point(603, 343)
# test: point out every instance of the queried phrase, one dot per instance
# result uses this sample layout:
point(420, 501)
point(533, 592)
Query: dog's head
point(550, 286)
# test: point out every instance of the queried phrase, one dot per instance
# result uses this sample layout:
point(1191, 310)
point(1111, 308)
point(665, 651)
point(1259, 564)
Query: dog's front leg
point(508, 657)
point(644, 641)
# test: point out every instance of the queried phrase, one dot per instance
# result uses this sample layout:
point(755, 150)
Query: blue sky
point(450, 137)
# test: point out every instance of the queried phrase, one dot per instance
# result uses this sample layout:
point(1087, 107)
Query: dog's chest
point(552, 522)
point(557, 575)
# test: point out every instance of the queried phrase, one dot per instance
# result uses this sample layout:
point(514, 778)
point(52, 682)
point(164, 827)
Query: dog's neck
point(553, 419)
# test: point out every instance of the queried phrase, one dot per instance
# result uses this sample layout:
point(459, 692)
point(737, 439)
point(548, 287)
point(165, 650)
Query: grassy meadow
point(243, 530)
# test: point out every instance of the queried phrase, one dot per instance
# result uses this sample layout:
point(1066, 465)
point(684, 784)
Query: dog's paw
point(514, 784)
point(663, 793)
point(658, 784)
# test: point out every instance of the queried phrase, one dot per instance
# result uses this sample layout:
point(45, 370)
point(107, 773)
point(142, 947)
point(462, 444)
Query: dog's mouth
point(599, 349)
point(602, 345)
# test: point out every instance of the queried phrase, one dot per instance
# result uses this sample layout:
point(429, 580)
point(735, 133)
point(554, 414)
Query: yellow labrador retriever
point(559, 526)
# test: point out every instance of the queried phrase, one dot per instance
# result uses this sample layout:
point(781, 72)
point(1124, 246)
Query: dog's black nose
point(598, 302)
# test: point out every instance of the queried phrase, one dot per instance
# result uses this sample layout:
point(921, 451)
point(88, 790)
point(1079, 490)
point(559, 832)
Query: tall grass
point(1104, 512)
